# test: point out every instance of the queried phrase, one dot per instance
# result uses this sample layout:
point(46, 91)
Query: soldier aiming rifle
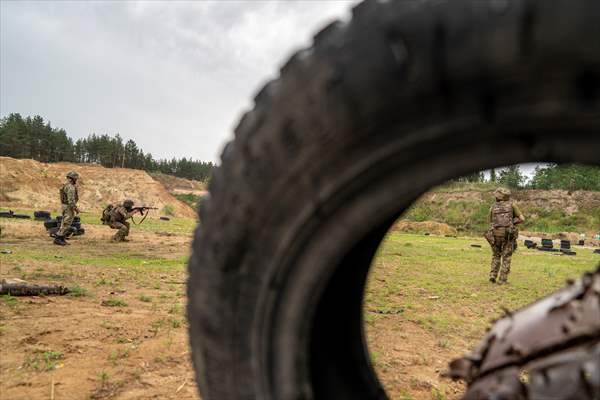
point(116, 217)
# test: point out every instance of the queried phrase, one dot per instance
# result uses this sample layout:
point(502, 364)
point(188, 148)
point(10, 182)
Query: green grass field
point(452, 275)
point(428, 300)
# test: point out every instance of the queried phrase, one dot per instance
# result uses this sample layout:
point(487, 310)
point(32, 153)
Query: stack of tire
point(547, 245)
point(565, 248)
point(52, 226)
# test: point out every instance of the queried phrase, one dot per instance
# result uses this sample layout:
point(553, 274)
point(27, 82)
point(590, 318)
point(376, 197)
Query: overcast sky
point(173, 76)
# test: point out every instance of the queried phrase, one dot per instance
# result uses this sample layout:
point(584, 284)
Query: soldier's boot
point(60, 240)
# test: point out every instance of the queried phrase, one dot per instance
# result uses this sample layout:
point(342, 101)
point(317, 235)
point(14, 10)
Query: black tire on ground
point(547, 243)
point(403, 97)
point(6, 214)
point(21, 216)
point(52, 223)
point(42, 215)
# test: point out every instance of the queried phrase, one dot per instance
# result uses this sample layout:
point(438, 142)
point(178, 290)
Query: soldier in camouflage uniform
point(504, 215)
point(118, 217)
point(68, 199)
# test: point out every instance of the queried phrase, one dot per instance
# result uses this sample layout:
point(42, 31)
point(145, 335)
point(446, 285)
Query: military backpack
point(106, 214)
point(502, 214)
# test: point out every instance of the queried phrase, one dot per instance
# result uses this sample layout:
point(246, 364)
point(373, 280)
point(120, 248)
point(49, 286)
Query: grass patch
point(117, 355)
point(10, 301)
point(113, 303)
point(168, 209)
point(43, 361)
point(145, 299)
point(175, 323)
point(191, 199)
point(78, 291)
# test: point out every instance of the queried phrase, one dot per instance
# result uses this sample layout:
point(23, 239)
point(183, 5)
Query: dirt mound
point(569, 202)
point(34, 185)
point(177, 185)
point(434, 228)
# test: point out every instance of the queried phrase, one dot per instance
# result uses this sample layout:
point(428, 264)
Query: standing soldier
point(117, 219)
point(504, 215)
point(68, 199)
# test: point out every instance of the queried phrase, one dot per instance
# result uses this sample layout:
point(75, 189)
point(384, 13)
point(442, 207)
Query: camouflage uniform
point(118, 220)
point(68, 198)
point(502, 216)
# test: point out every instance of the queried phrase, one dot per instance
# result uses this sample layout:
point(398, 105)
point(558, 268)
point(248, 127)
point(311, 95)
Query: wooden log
point(18, 287)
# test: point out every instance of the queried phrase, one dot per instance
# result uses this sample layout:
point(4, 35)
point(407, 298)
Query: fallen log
point(18, 287)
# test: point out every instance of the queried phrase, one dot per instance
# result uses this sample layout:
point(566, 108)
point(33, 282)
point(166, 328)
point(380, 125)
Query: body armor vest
point(64, 199)
point(502, 214)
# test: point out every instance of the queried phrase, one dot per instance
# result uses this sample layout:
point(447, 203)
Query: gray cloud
point(174, 76)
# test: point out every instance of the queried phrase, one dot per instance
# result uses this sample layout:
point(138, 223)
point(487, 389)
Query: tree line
point(34, 138)
point(551, 176)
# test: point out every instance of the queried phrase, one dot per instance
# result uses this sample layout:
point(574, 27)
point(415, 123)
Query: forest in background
point(34, 138)
point(545, 177)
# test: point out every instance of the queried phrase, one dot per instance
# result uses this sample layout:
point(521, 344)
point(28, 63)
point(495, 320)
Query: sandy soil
point(431, 227)
point(31, 184)
point(177, 185)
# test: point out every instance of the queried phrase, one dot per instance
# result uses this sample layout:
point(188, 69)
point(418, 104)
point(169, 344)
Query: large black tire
point(405, 96)
point(51, 223)
point(42, 215)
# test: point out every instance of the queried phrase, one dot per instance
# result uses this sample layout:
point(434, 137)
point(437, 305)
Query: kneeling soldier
point(118, 220)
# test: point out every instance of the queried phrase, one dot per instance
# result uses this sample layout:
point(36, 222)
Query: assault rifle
point(143, 210)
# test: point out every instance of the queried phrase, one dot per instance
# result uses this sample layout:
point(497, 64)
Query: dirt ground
point(122, 332)
point(124, 337)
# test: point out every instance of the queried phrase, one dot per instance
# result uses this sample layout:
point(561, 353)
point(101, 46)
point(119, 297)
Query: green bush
point(168, 209)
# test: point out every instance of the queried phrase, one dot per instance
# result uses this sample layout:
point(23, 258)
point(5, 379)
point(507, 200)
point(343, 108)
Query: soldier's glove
point(547, 350)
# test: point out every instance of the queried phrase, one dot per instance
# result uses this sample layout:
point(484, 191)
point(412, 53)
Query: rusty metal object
point(19, 287)
point(547, 350)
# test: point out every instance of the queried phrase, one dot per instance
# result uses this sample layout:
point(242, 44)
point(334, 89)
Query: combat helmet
point(502, 194)
point(128, 204)
point(72, 175)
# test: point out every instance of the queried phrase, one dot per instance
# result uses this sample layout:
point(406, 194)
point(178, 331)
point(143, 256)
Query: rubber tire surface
point(404, 96)
point(42, 215)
